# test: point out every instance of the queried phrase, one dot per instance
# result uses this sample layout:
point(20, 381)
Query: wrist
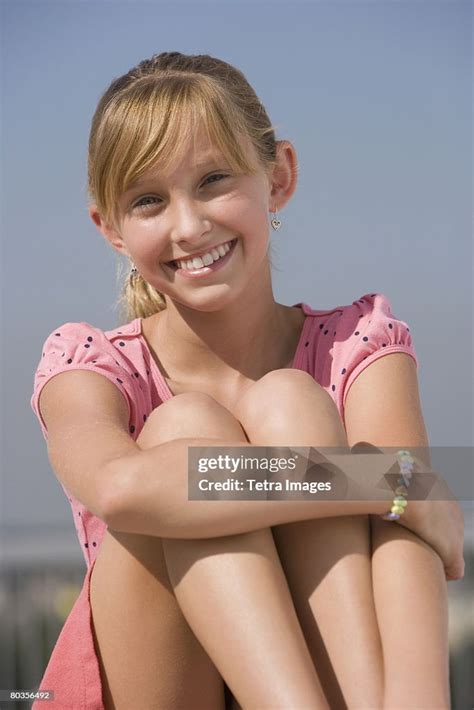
point(400, 502)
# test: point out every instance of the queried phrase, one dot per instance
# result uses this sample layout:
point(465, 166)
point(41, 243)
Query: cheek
point(144, 242)
point(249, 220)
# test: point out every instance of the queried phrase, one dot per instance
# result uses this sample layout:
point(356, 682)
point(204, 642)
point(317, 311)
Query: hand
point(440, 523)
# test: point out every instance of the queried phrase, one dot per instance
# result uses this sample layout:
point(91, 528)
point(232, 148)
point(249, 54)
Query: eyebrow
point(197, 167)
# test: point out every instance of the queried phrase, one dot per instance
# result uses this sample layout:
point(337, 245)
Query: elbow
point(115, 495)
point(125, 505)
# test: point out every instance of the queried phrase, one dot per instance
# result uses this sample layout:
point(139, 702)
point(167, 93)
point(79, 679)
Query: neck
point(249, 337)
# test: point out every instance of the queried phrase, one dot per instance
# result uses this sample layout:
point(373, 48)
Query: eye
point(140, 204)
point(218, 175)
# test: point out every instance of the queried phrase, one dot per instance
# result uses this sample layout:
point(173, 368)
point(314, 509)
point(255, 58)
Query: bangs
point(153, 122)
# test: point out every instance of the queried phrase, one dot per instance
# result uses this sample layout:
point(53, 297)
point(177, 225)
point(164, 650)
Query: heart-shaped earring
point(133, 273)
point(276, 224)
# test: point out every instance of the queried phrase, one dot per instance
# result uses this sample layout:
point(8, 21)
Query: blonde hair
point(146, 116)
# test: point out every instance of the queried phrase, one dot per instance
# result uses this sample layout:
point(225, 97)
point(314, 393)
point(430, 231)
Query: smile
point(205, 259)
point(205, 264)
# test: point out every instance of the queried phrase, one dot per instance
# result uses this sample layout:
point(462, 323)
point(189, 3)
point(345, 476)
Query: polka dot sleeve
point(373, 331)
point(81, 346)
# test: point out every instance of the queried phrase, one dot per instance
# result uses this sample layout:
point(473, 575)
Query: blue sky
point(376, 98)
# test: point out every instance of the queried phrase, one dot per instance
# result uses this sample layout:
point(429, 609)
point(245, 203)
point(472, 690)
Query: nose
point(188, 222)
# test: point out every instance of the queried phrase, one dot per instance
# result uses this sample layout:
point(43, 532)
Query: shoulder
point(348, 338)
point(371, 322)
point(84, 339)
point(369, 316)
point(116, 354)
point(363, 305)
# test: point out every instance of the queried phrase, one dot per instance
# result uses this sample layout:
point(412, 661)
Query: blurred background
point(377, 100)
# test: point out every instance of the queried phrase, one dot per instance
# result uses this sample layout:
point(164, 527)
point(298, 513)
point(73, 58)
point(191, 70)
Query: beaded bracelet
point(406, 463)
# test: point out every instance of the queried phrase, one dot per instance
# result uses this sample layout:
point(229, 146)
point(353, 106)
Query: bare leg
point(148, 655)
point(164, 673)
point(235, 597)
point(348, 594)
point(326, 561)
point(410, 591)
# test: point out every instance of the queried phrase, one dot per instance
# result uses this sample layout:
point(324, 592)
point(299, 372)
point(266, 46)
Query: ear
point(284, 175)
point(110, 233)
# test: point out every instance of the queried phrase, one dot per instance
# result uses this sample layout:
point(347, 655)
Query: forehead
point(196, 164)
point(197, 152)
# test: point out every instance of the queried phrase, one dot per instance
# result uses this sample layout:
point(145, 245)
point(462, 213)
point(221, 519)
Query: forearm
point(151, 498)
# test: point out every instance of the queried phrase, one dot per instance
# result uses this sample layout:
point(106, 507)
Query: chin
point(207, 302)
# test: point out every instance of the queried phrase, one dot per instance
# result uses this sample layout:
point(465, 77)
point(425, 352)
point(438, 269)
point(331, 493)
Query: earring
point(133, 272)
point(276, 224)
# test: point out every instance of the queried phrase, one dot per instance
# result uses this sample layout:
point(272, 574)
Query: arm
point(150, 492)
point(145, 491)
point(383, 406)
point(86, 420)
point(383, 409)
point(151, 498)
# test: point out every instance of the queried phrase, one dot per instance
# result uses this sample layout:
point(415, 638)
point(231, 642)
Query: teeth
point(206, 259)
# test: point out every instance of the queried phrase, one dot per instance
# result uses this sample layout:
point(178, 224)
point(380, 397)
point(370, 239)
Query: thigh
point(148, 655)
point(327, 561)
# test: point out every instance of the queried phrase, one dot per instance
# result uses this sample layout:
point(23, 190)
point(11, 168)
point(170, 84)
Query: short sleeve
point(81, 346)
point(373, 332)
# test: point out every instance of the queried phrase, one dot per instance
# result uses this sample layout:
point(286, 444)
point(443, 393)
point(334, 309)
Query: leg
point(410, 591)
point(151, 621)
point(135, 613)
point(234, 595)
point(412, 620)
point(148, 655)
point(332, 595)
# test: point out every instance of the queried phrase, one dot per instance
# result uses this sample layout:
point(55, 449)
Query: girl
point(287, 604)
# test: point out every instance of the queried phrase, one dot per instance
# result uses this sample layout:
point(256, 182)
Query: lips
point(173, 265)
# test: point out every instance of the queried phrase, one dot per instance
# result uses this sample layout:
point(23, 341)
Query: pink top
point(335, 346)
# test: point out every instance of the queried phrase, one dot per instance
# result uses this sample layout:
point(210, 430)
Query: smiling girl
point(289, 604)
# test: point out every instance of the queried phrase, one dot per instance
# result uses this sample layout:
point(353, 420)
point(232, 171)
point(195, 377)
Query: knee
point(186, 404)
point(285, 384)
point(284, 390)
point(189, 415)
point(287, 378)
